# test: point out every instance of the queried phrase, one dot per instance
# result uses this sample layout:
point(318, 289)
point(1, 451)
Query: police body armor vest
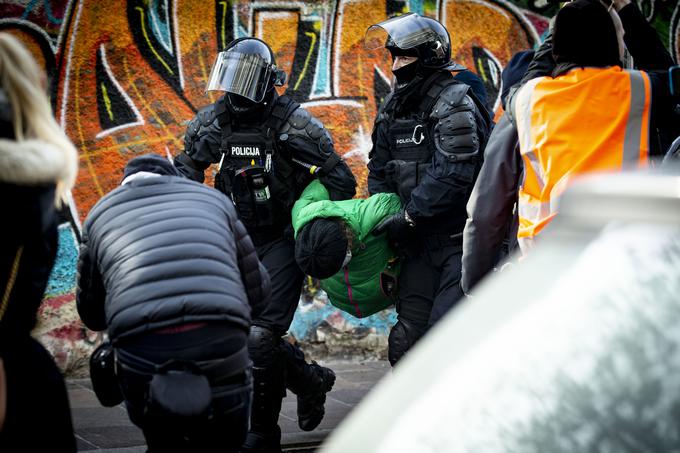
point(251, 171)
point(411, 138)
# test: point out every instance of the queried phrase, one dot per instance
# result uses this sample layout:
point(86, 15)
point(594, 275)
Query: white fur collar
point(31, 162)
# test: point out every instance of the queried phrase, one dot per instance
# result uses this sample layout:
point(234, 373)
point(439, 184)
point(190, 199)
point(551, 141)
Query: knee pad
point(263, 346)
point(402, 337)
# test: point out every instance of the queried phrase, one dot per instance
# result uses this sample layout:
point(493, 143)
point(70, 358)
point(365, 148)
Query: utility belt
point(179, 390)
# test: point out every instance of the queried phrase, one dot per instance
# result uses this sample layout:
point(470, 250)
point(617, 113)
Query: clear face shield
point(247, 75)
point(405, 32)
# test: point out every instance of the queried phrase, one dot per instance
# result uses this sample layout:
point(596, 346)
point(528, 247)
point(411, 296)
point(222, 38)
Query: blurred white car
point(576, 349)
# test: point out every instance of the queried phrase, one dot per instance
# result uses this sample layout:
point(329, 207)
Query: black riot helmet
point(411, 34)
point(246, 68)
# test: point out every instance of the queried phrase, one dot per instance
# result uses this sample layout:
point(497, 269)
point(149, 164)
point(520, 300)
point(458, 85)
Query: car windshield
point(578, 363)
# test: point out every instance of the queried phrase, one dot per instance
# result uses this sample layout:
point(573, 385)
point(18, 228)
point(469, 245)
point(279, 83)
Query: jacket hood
point(31, 162)
point(362, 215)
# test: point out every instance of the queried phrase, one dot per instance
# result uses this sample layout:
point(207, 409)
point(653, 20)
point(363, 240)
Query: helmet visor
point(244, 74)
point(405, 32)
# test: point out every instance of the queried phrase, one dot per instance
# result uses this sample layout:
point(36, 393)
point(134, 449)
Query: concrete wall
point(127, 76)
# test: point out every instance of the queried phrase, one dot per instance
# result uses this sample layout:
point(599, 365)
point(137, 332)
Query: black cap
point(320, 248)
point(153, 163)
point(584, 35)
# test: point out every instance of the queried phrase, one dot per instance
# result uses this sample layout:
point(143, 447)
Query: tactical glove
point(398, 226)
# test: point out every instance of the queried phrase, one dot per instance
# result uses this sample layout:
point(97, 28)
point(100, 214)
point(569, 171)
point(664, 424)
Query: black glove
point(398, 227)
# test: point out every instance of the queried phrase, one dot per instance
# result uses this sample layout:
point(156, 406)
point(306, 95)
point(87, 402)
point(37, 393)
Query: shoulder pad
point(202, 125)
point(302, 123)
point(299, 118)
point(207, 115)
point(453, 99)
point(203, 119)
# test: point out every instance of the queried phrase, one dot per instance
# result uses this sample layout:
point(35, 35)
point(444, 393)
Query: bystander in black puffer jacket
point(182, 257)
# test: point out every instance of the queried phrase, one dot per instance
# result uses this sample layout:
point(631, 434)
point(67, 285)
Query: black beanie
point(320, 248)
point(584, 35)
point(515, 70)
point(153, 163)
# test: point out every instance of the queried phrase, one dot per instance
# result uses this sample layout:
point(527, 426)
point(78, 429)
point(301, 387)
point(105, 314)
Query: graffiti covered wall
point(127, 76)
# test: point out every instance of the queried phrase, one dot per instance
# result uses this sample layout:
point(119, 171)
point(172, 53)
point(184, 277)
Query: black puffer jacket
point(163, 250)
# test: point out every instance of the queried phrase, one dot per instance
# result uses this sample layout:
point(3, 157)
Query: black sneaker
point(310, 405)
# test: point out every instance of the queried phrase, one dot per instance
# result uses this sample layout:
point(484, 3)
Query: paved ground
point(109, 429)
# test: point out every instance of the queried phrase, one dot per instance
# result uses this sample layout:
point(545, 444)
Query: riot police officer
point(428, 141)
point(268, 149)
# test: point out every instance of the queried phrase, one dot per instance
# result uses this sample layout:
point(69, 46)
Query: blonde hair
point(23, 81)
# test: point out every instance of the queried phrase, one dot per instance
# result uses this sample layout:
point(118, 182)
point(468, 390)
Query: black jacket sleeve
point(378, 158)
point(91, 293)
point(253, 274)
point(490, 207)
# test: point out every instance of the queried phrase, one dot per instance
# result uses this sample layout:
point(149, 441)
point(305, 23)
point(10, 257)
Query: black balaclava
point(245, 109)
point(406, 74)
point(584, 35)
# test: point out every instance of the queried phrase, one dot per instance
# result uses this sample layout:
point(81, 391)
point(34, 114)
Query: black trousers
point(429, 284)
point(226, 430)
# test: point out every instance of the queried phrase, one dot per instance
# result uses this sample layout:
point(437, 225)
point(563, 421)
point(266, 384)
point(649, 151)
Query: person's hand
point(398, 226)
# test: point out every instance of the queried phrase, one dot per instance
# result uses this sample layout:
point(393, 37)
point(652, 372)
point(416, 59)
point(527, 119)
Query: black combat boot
point(310, 382)
point(310, 402)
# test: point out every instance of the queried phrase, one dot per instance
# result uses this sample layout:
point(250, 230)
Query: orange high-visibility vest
point(587, 120)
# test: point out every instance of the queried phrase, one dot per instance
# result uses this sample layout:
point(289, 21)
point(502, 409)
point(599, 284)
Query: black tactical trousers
point(277, 364)
point(278, 257)
point(428, 288)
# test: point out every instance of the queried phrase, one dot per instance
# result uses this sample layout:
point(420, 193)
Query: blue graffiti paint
point(416, 6)
point(160, 25)
point(48, 11)
point(63, 276)
point(322, 85)
point(309, 317)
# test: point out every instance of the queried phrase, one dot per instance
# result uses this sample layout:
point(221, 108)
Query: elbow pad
point(455, 132)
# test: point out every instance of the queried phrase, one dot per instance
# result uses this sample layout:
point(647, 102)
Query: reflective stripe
point(523, 108)
point(525, 244)
point(538, 170)
point(537, 211)
point(631, 141)
point(522, 112)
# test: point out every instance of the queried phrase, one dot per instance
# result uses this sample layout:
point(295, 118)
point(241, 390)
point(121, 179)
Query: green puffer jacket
point(356, 288)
